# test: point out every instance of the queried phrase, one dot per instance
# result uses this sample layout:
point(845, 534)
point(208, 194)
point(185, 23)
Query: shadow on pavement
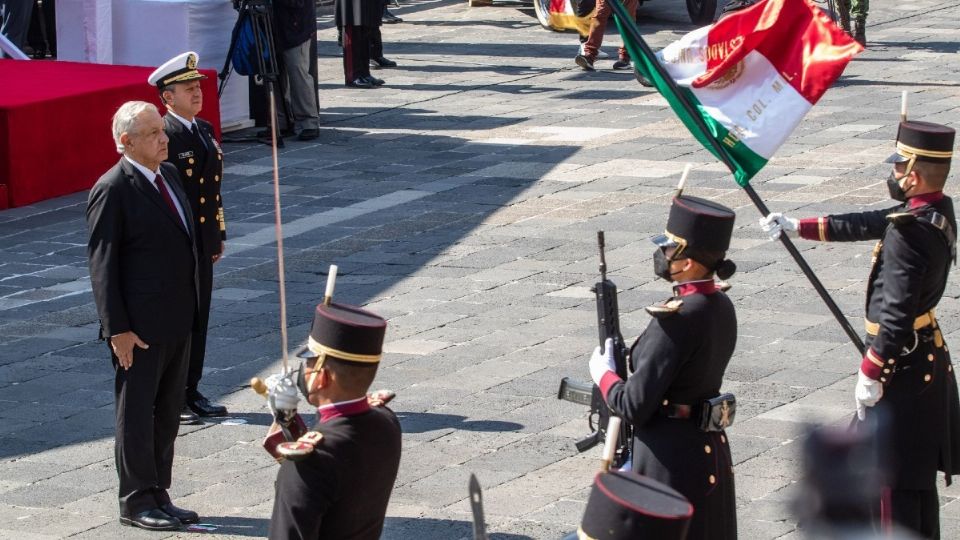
point(424, 422)
point(397, 528)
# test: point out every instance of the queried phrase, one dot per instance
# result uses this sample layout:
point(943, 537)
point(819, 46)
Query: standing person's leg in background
point(376, 50)
point(858, 12)
point(302, 91)
point(585, 9)
point(623, 57)
point(16, 20)
point(356, 56)
point(598, 25)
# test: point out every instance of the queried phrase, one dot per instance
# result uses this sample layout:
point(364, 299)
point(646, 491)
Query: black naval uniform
point(199, 160)
point(678, 362)
point(911, 263)
point(341, 490)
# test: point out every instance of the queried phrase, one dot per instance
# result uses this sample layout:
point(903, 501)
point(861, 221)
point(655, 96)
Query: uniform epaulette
point(302, 447)
point(901, 218)
point(723, 286)
point(666, 309)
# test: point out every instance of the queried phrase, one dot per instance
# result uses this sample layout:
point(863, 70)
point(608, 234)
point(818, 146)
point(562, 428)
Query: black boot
point(860, 30)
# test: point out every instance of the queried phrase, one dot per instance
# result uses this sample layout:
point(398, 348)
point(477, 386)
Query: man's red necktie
point(162, 187)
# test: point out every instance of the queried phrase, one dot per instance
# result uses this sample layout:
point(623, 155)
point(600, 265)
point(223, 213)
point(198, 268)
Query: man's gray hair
point(125, 118)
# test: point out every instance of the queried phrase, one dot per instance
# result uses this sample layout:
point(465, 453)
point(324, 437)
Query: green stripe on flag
point(746, 162)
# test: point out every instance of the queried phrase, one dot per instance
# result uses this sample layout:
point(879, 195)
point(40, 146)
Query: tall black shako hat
point(697, 223)
point(923, 141)
point(628, 506)
point(346, 333)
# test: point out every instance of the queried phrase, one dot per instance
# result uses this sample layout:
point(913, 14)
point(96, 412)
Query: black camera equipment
point(254, 27)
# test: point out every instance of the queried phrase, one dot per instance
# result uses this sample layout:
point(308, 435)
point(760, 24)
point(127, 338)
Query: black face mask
point(661, 266)
point(302, 380)
point(897, 192)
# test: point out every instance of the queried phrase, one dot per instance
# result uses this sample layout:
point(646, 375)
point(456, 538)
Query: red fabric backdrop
point(55, 121)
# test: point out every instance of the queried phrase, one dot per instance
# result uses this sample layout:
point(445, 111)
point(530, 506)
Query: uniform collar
point(926, 198)
point(352, 407)
point(147, 173)
point(186, 123)
point(701, 286)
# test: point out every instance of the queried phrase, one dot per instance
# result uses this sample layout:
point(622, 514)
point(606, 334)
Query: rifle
point(608, 322)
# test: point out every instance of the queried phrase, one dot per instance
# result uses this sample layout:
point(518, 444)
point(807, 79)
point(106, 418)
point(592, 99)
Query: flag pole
point(626, 24)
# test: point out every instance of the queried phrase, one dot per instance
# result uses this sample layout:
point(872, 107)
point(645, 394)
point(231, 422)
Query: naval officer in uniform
point(195, 152)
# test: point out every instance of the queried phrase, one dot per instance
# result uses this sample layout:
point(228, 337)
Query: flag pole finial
point(683, 179)
point(903, 106)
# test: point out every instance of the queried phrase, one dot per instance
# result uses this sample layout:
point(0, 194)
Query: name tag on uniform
point(184, 155)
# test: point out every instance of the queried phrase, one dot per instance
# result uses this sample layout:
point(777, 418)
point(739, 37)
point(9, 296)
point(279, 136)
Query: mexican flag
point(743, 84)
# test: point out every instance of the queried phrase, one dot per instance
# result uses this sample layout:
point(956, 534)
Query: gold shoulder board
point(901, 218)
point(666, 309)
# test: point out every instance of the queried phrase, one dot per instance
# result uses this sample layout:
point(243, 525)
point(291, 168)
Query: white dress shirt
point(152, 177)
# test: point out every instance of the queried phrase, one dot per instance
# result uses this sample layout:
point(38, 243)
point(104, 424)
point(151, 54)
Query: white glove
point(282, 393)
point(602, 361)
point(775, 223)
point(867, 393)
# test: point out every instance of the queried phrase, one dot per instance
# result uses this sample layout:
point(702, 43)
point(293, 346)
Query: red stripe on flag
point(801, 42)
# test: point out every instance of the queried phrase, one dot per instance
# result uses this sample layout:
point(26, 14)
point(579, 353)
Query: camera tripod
point(256, 15)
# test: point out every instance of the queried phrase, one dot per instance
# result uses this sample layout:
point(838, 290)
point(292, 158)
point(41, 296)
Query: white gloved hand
point(776, 223)
point(602, 361)
point(867, 393)
point(282, 392)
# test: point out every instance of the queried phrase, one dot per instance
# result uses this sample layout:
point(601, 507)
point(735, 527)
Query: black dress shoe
point(184, 516)
point(309, 134)
point(188, 417)
point(383, 62)
point(389, 18)
point(374, 81)
point(154, 519)
point(360, 82)
point(204, 408)
point(265, 133)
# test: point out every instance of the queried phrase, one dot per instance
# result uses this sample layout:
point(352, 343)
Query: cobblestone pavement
point(461, 201)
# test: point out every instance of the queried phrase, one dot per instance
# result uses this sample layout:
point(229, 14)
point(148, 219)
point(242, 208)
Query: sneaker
point(600, 52)
point(622, 64)
point(584, 62)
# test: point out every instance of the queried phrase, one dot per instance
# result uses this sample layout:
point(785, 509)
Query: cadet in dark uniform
point(627, 506)
point(340, 488)
point(907, 365)
point(194, 151)
point(677, 370)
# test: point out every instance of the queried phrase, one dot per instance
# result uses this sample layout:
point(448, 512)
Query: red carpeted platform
point(55, 123)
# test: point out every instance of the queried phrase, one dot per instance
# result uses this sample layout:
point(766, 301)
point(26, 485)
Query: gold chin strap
point(681, 242)
point(315, 372)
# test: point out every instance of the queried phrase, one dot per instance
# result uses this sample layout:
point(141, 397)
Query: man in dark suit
point(338, 480)
point(195, 153)
point(144, 279)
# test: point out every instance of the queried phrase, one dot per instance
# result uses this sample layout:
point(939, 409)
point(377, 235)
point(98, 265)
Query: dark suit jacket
point(201, 171)
point(142, 262)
